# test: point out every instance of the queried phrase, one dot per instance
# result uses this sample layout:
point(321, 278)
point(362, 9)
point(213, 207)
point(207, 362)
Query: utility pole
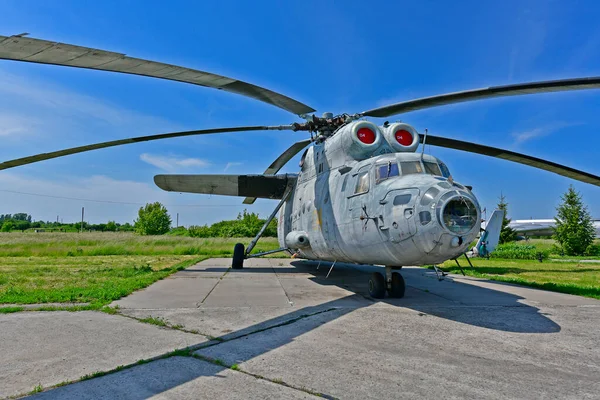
point(82, 213)
point(177, 220)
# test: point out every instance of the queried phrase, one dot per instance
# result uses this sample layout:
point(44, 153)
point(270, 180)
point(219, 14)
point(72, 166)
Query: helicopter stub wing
point(280, 162)
point(260, 186)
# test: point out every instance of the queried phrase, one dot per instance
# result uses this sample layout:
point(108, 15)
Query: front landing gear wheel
point(397, 287)
point(377, 285)
point(238, 256)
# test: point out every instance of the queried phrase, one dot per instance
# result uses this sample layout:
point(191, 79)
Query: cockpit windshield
point(411, 167)
point(385, 171)
point(432, 168)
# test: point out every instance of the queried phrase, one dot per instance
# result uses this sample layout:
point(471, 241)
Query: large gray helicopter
point(364, 194)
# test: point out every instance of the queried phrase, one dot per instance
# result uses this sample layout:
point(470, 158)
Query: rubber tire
point(238, 256)
point(377, 286)
point(398, 286)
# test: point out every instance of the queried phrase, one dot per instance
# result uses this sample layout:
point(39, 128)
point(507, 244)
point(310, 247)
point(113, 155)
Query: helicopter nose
point(459, 214)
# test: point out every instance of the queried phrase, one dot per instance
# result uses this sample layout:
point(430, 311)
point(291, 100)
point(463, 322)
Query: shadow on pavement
point(451, 300)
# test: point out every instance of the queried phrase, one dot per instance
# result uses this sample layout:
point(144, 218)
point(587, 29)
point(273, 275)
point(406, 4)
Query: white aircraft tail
point(490, 237)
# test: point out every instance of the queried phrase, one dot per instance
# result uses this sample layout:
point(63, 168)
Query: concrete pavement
point(293, 333)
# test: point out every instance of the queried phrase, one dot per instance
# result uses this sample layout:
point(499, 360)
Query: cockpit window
point(362, 183)
point(432, 168)
point(445, 170)
point(385, 171)
point(411, 167)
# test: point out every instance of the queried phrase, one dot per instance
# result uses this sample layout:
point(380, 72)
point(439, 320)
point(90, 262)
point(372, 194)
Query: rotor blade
point(280, 162)
point(263, 186)
point(74, 150)
point(515, 157)
point(19, 48)
point(485, 93)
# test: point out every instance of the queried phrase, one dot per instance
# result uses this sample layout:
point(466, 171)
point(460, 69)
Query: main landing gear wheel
point(397, 287)
point(238, 256)
point(377, 285)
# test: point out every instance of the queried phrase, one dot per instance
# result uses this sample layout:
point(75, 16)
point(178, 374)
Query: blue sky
point(334, 56)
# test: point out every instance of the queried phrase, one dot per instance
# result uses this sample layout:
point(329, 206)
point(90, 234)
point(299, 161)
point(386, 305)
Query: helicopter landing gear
point(397, 286)
point(393, 283)
point(377, 285)
point(238, 256)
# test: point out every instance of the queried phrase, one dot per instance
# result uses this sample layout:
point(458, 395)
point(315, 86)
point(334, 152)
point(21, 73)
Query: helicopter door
point(398, 211)
point(360, 209)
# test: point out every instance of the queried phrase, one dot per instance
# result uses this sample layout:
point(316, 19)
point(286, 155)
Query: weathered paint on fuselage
point(372, 227)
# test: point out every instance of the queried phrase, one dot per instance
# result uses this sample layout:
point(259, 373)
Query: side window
point(386, 171)
point(362, 183)
point(445, 170)
point(402, 199)
point(411, 167)
point(429, 196)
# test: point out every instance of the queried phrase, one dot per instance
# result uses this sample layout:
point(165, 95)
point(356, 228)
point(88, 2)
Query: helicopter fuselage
point(390, 207)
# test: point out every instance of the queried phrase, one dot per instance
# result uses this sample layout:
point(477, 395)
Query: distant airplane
point(541, 227)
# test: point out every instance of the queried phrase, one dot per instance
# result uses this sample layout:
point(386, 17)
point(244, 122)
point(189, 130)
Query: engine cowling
point(401, 137)
point(360, 139)
point(297, 240)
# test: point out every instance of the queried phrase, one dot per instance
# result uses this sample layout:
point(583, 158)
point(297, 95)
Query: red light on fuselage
point(366, 135)
point(405, 138)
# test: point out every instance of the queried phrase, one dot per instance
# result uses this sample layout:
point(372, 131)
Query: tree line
point(153, 219)
point(23, 221)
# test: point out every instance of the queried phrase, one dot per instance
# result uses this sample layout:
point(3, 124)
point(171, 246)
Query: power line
point(118, 202)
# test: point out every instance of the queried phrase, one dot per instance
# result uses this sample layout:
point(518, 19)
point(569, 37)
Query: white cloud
point(63, 112)
point(521, 137)
point(231, 164)
point(172, 164)
point(12, 125)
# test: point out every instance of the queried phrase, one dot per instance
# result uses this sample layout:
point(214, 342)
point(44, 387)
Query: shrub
point(519, 252)
point(200, 231)
point(179, 231)
point(593, 250)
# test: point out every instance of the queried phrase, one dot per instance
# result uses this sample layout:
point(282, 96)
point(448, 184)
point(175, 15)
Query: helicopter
point(364, 194)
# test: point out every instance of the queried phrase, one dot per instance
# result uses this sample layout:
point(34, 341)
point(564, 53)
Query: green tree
point(507, 234)
point(574, 227)
point(7, 226)
point(111, 226)
point(153, 219)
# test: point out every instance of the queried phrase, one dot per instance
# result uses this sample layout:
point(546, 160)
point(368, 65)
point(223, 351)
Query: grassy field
point(93, 269)
point(577, 278)
point(96, 268)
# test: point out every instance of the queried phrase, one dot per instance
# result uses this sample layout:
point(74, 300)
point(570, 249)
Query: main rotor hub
point(325, 125)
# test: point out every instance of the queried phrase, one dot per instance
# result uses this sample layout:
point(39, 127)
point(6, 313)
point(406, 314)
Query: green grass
point(17, 244)
point(96, 268)
point(581, 279)
point(95, 280)
point(37, 389)
point(9, 310)
point(154, 321)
